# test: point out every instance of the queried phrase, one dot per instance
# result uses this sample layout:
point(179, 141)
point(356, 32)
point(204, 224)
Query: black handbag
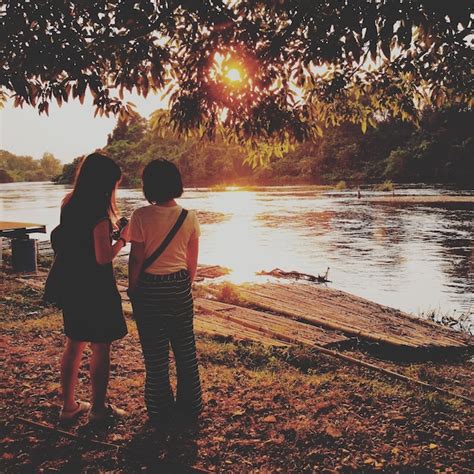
point(54, 286)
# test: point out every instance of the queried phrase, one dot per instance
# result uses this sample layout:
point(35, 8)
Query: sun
point(234, 75)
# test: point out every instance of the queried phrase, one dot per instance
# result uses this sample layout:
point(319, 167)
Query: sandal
point(111, 411)
point(70, 415)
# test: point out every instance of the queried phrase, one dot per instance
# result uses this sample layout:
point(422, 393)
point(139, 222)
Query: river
point(418, 258)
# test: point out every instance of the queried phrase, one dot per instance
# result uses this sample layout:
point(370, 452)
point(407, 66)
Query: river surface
point(418, 258)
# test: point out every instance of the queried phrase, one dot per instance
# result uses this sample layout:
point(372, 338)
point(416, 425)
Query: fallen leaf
point(247, 442)
point(6, 440)
point(279, 440)
point(318, 407)
point(333, 432)
point(399, 419)
point(53, 388)
point(269, 419)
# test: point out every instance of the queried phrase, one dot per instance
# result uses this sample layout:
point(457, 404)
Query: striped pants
point(163, 310)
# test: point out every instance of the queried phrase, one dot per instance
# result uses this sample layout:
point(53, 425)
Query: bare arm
point(192, 257)
point(135, 264)
point(105, 252)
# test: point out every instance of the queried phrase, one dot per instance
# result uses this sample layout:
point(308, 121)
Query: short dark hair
point(161, 181)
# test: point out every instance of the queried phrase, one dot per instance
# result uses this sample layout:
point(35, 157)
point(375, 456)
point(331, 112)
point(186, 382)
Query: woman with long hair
point(91, 303)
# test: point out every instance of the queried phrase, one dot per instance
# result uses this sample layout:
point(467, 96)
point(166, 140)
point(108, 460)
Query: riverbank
point(428, 200)
point(268, 409)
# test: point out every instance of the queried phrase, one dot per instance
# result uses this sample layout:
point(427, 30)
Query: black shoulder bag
point(54, 286)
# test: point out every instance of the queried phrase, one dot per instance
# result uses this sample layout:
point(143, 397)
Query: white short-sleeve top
point(151, 224)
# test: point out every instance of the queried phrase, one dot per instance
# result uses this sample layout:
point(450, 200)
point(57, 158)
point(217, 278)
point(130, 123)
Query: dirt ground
point(266, 409)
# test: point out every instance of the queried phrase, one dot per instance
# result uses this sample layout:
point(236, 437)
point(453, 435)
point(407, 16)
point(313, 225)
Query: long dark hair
point(94, 188)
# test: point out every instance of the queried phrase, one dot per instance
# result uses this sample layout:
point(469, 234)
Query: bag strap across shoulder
point(148, 261)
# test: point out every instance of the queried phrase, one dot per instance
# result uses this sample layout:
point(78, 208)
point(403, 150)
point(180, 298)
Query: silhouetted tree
point(353, 61)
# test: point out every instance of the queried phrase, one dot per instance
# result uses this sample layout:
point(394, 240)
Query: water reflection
point(414, 257)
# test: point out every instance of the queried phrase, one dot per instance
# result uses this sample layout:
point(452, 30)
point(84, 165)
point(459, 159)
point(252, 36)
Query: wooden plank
point(404, 324)
point(215, 326)
point(14, 229)
point(213, 318)
point(337, 310)
point(279, 327)
point(210, 324)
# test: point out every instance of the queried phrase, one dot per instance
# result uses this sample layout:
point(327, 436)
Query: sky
point(68, 132)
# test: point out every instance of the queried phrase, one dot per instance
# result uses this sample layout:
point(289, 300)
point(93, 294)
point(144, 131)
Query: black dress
point(91, 303)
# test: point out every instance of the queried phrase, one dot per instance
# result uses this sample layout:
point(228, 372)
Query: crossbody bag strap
point(148, 261)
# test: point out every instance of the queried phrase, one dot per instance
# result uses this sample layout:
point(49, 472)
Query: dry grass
point(266, 409)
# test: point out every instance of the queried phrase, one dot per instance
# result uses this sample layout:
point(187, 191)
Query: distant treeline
point(440, 150)
point(24, 168)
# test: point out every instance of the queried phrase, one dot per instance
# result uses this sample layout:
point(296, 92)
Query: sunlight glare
point(234, 75)
point(238, 234)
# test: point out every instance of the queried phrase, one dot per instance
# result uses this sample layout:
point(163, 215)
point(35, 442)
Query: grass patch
point(45, 261)
point(229, 293)
point(381, 388)
point(462, 322)
point(437, 402)
point(385, 186)
point(201, 291)
point(51, 321)
point(255, 356)
point(252, 356)
point(20, 301)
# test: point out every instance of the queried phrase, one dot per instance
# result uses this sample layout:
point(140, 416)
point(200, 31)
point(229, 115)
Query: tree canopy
point(26, 168)
point(301, 64)
point(440, 150)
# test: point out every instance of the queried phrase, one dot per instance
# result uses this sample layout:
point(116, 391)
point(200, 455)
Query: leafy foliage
point(25, 168)
point(50, 165)
point(305, 64)
point(439, 150)
point(69, 171)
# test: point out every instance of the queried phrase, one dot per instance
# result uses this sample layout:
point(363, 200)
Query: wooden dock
point(313, 315)
point(274, 326)
point(354, 316)
point(20, 229)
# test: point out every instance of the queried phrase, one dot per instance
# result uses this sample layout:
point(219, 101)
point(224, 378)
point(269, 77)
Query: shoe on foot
point(69, 415)
point(160, 423)
point(111, 411)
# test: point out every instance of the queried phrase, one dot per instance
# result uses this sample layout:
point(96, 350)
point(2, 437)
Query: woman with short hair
point(161, 294)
